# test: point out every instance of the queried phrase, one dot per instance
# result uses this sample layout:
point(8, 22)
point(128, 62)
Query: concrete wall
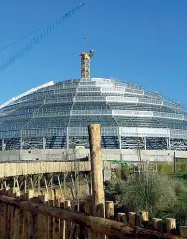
point(108, 154)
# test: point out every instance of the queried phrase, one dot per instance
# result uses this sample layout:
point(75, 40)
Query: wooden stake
point(183, 231)
point(109, 209)
point(122, 217)
point(3, 219)
point(132, 219)
point(17, 224)
point(25, 185)
point(82, 227)
point(51, 220)
point(56, 232)
point(10, 212)
point(67, 205)
point(144, 218)
point(109, 212)
point(157, 224)
point(89, 211)
point(171, 225)
point(27, 220)
point(62, 224)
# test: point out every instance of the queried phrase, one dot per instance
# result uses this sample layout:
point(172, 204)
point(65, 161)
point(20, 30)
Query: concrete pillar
point(145, 142)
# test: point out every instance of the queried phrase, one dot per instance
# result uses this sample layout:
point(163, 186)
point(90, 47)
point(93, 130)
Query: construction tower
point(85, 63)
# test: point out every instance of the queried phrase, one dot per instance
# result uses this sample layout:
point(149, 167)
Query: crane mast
point(85, 63)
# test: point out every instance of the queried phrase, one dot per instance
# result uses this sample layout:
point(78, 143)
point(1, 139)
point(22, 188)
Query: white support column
point(21, 140)
point(3, 142)
point(168, 143)
point(145, 141)
point(119, 136)
point(44, 142)
point(67, 138)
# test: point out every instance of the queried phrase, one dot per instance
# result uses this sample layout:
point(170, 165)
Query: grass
point(180, 175)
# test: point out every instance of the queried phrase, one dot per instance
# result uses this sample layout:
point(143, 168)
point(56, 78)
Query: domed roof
point(73, 104)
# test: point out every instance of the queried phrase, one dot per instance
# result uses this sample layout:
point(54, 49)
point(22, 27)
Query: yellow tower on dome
point(85, 63)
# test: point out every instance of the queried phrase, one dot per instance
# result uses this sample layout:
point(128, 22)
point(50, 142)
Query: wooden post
point(97, 172)
point(82, 227)
point(17, 224)
point(10, 209)
point(64, 185)
point(109, 210)
point(3, 219)
point(41, 221)
point(27, 221)
point(121, 217)
point(89, 211)
point(96, 168)
point(183, 231)
point(157, 224)
point(67, 205)
point(144, 218)
point(30, 194)
point(171, 225)
point(56, 232)
point(62, 224)
point(132, 219)
point(51, 220)
point(25, 185)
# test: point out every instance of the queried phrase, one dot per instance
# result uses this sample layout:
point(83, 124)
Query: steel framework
point(57, 116)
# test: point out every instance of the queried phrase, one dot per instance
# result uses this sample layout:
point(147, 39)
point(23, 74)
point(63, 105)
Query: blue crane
point(36, 39)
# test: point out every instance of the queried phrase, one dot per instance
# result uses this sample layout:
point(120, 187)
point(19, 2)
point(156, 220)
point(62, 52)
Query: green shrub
point(155, 193)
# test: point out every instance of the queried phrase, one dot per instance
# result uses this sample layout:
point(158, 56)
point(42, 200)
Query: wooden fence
point(37, 167)
point(26, 216)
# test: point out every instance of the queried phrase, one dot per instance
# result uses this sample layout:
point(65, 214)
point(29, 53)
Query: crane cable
point(36, 39)
point(18, 40)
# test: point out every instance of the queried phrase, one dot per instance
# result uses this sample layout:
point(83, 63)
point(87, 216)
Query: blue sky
point(139, 41)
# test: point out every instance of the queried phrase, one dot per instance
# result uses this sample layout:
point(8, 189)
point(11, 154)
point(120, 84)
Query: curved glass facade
point(57, 116)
